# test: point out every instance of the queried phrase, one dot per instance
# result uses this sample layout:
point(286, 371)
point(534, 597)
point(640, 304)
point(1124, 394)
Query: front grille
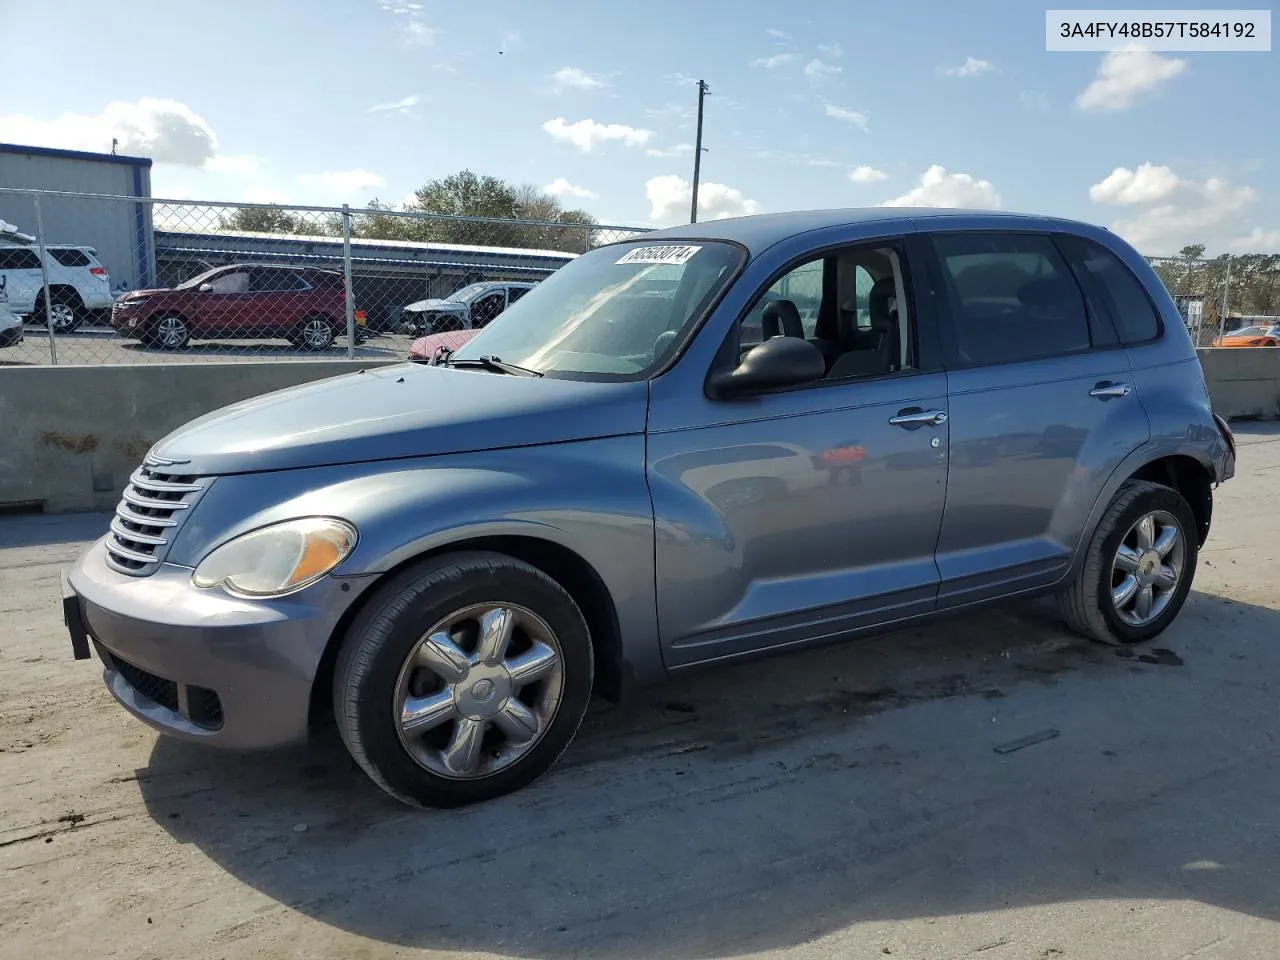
point(154, 504)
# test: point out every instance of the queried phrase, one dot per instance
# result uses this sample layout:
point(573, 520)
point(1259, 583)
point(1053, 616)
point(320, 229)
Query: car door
point(24, 281)
point(221, 304)
point(487, 306)
point(789, 517)
point(1041, 410)
point(280, 300)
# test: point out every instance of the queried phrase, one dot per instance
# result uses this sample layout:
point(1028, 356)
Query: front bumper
point(202, 665)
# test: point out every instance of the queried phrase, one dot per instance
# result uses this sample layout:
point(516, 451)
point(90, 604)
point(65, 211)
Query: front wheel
point(463, 679)
point(1138, 569)
point(167, 333)
point(65, 315)
point(314, 334)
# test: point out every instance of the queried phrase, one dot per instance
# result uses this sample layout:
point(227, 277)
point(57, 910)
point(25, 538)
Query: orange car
point(1267, 335)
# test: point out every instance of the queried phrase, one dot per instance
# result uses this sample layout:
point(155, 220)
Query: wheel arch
point(1186, 469)
point(60, 293)
point(565, 566)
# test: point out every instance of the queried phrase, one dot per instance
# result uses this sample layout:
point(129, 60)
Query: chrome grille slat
point(124, 533)
point(148, 515)
point(153, 504)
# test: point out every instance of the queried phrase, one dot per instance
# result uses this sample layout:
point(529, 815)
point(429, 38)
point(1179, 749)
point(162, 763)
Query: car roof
point(760, 231)
point(277, 266)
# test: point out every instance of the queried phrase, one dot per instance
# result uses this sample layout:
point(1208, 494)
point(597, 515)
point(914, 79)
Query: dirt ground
point(865, 800)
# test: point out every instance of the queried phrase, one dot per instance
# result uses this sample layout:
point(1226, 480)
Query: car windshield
point(615, 312)
point(1249, 332)
point(198, 279)
point(467, 292)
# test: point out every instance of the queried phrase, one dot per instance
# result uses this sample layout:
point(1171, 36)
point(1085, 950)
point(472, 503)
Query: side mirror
point(206, 288)
point(776, 364)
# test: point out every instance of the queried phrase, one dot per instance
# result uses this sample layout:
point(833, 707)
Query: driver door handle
point(918, 418)
point(1106, 390)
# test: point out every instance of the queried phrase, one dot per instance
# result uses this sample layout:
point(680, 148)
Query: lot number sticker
point(665, 254)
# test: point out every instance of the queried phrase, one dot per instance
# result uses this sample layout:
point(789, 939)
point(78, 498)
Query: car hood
point(437, 306)
point(405, 410)
point(138, 294)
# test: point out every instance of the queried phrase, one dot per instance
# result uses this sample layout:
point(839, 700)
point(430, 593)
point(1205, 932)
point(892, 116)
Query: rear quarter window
point(19, 258)
point(71, 258)
point(1132, 311)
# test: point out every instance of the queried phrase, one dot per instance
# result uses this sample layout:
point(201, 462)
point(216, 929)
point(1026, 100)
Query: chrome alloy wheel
point(316, 334)
point(171, 332)
point(479, 690)
point(1147, 568)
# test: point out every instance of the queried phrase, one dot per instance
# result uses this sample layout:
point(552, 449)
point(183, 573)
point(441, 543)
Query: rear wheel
point(463, 679)
point(315, 333)
point(66, 314)
point(1138, 569)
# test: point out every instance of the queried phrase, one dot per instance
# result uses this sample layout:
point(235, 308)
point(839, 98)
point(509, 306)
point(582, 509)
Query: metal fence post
point(586, 245)
point(346, 273)
point(44, 277)
point(1226, 294)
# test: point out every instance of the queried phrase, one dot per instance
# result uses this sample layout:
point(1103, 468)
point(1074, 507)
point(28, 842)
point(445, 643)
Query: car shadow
point(982, 762)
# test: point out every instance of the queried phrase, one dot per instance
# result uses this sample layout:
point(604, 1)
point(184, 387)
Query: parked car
point(469, 308)
point(457, 557)
point(435, 347)
point(78, 283)
point(10, 322)
point(1262, 335)
point(304, 305)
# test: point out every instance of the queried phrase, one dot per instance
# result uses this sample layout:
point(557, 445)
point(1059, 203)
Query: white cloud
point(1259, 241)
point(671, 196)
point(586, 135)
point(937, 188)
point(817, 70)
point(418, 34)
point(265, 195)
point(572, 78)
point(800, 159)
point(777, 60)
point(406, 9)
point(1126, 187)
point(866, 174)
point(1034, 100)
point(972, 67)
point(671, 112)
point(167, 131)
point(1124, 75)
point(1173, 211)
point(240, 164)
point(343, 183)
point(676, 150)
point(402, 106)
point(856, 117)
point(777, 34)
point(830, 49)
point(560, 187)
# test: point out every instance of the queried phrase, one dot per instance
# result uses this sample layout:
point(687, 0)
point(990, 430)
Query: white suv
point(78, 283)
point(10, 322)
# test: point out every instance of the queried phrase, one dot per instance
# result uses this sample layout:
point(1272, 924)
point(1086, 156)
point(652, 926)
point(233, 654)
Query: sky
point(814, 103)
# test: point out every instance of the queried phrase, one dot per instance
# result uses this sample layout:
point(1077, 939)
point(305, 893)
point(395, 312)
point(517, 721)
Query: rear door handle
point(915, 417)
point(1106, 390)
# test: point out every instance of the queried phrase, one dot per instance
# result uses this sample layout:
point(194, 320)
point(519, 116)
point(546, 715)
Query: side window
point(1012, 296)
point(1131, 309)
point(515, 293)
point(237, 282)
point(852, 304)
point(70, 258)
point(19, 258)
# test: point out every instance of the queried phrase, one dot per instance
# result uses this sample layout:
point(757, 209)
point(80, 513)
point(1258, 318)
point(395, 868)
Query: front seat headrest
point(781, 317)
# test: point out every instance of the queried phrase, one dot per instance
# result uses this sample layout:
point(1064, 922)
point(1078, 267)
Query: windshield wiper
point(496, 364)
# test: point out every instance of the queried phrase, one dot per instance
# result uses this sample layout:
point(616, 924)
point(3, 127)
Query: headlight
point(278, 559)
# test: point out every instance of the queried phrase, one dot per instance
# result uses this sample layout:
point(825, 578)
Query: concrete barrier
point(1243, 381)
point(72, 435)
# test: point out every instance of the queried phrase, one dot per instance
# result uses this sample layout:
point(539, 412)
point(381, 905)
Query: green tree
point(279, 220)
point(430, 217)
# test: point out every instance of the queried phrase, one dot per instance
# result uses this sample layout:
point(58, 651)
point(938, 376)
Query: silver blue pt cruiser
point(708, 443)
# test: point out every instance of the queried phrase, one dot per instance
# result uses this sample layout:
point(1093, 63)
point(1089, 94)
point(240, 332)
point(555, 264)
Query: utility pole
point(703, 89)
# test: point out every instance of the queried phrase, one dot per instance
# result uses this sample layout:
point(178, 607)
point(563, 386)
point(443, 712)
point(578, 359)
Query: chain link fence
point(95, 279)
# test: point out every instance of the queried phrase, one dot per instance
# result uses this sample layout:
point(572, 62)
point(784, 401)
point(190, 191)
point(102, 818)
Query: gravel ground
point(849, 801)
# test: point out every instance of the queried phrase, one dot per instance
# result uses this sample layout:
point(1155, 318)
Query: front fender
point(588, 497)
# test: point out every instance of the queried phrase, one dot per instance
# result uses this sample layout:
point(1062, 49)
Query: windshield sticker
point(665, 254)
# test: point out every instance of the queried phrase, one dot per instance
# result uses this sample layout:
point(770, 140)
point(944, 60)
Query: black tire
point(314, 334)
point(68, 312)
point(169, 332)
point(390, 626)
point(1086, 602)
